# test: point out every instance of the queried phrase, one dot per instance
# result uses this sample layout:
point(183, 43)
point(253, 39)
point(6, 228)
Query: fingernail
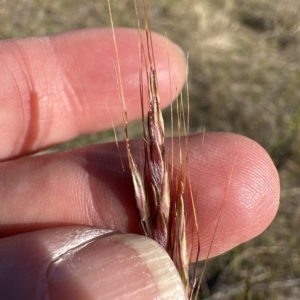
point(124, 266)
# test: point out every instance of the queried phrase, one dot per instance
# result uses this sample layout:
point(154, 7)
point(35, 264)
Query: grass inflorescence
point(162, 217)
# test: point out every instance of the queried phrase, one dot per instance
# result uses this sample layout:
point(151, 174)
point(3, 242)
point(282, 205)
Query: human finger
point(88, 186)
point(58, 87)
point(86, 263)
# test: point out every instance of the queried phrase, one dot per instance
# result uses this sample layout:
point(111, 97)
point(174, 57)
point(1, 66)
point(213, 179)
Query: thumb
point(86, 263)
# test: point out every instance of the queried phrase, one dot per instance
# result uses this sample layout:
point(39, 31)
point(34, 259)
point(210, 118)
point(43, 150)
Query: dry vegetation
point(244, 78)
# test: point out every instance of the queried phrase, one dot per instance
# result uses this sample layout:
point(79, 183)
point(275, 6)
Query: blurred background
point(244, 58)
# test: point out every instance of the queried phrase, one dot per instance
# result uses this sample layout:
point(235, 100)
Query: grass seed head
point(162, 217)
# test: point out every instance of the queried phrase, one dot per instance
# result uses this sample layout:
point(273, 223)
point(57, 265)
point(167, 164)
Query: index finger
point(56, 88)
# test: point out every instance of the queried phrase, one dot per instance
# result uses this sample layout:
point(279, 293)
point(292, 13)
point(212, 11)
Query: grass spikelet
point(157, 163)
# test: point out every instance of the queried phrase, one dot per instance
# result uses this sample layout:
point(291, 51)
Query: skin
point(58, 210)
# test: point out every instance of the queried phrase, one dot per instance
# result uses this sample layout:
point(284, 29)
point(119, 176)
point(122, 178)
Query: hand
point(57, 210)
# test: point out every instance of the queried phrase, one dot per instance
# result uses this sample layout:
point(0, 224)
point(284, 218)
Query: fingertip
point(86, 263)
point(238, 195)
point(115, 266)
point(256, 185)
